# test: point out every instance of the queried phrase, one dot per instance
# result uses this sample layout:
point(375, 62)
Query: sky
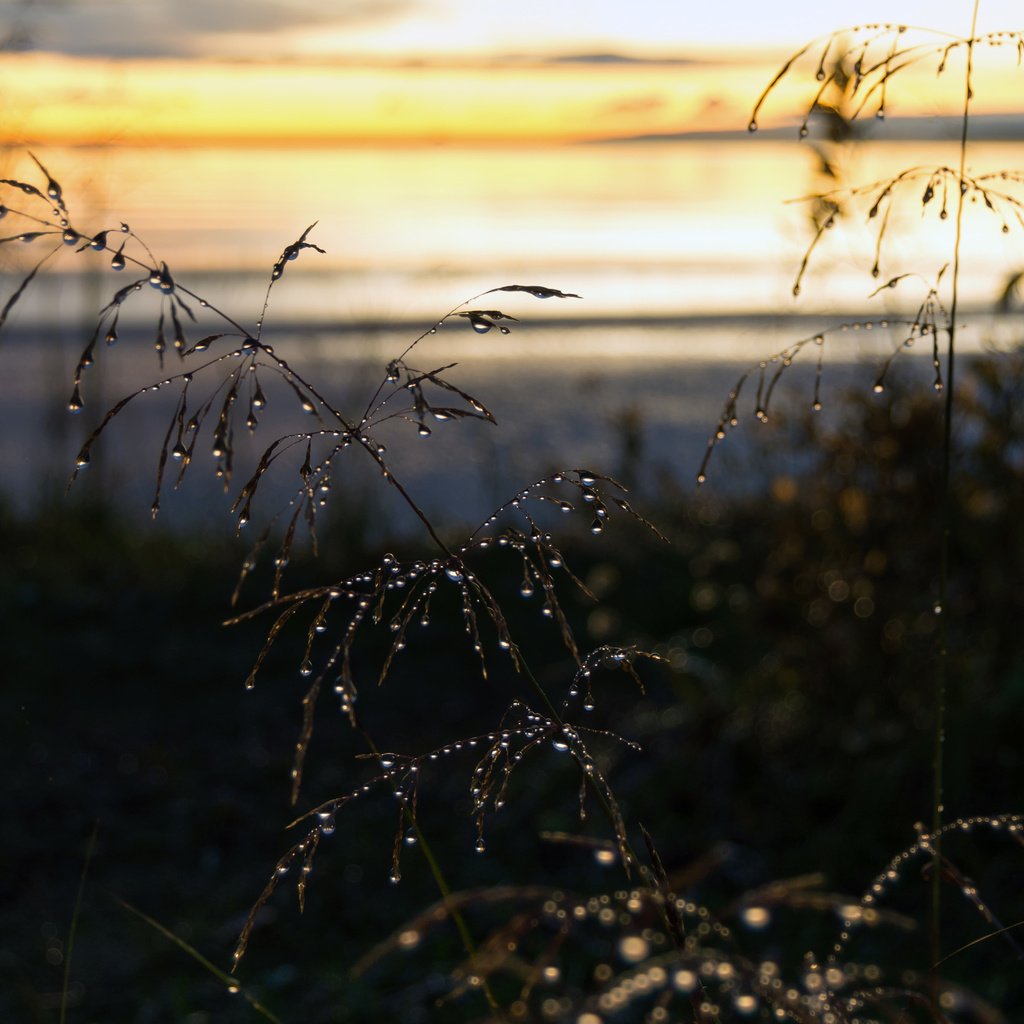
point(196, 103)
point(430, 29)
point(395, 71)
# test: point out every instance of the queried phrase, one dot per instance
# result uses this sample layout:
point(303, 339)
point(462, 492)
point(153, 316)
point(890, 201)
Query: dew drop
point(634, 948)
point(745, 1003)
point(756, 918)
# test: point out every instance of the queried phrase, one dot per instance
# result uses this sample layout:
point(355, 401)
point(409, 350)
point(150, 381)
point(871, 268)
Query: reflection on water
point(637, 228)
point(684, 255)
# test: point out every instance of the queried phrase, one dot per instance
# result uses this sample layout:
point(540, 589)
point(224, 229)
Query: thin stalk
point(225, 979)
point(66, 988)
point(456, 915)
point(445, 890)
point(946, 516)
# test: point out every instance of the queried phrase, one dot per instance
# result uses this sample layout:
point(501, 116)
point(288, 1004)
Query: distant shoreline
point(829, 319)
point(756, 318)
point(984, 128)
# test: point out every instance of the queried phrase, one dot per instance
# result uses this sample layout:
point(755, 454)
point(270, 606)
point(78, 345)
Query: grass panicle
point(876, 55)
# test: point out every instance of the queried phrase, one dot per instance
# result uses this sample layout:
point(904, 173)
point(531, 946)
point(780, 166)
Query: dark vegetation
point(620, 775)
point(788, 731)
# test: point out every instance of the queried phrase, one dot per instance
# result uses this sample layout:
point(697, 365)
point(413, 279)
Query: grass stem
point(946, 515)
point(222, 976)
point(73, 927)
point(443, 888)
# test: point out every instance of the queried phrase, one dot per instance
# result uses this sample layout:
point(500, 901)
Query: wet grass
point(784, 730)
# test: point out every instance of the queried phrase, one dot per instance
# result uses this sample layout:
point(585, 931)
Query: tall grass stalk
point(945, 530)
point(90, 850)
point(871, 75)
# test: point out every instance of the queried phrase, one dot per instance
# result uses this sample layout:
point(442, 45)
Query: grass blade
point(222, 976)
point(73, 927)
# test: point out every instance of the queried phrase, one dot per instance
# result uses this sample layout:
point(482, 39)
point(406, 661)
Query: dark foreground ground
point(787, 733)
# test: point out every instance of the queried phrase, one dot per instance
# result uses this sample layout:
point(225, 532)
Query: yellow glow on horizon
point(55, 100)
point(79, 100)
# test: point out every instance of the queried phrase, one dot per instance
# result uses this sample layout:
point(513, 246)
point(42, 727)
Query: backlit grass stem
point(945, 528)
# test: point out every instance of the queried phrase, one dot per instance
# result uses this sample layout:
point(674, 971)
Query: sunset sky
point(396, 71)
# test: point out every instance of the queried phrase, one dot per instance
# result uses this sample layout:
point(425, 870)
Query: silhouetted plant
point(874, 55)
point(220, 396)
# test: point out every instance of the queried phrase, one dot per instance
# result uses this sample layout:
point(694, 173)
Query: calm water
point(638, 402)
point(700, 227)
point(684, 256)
